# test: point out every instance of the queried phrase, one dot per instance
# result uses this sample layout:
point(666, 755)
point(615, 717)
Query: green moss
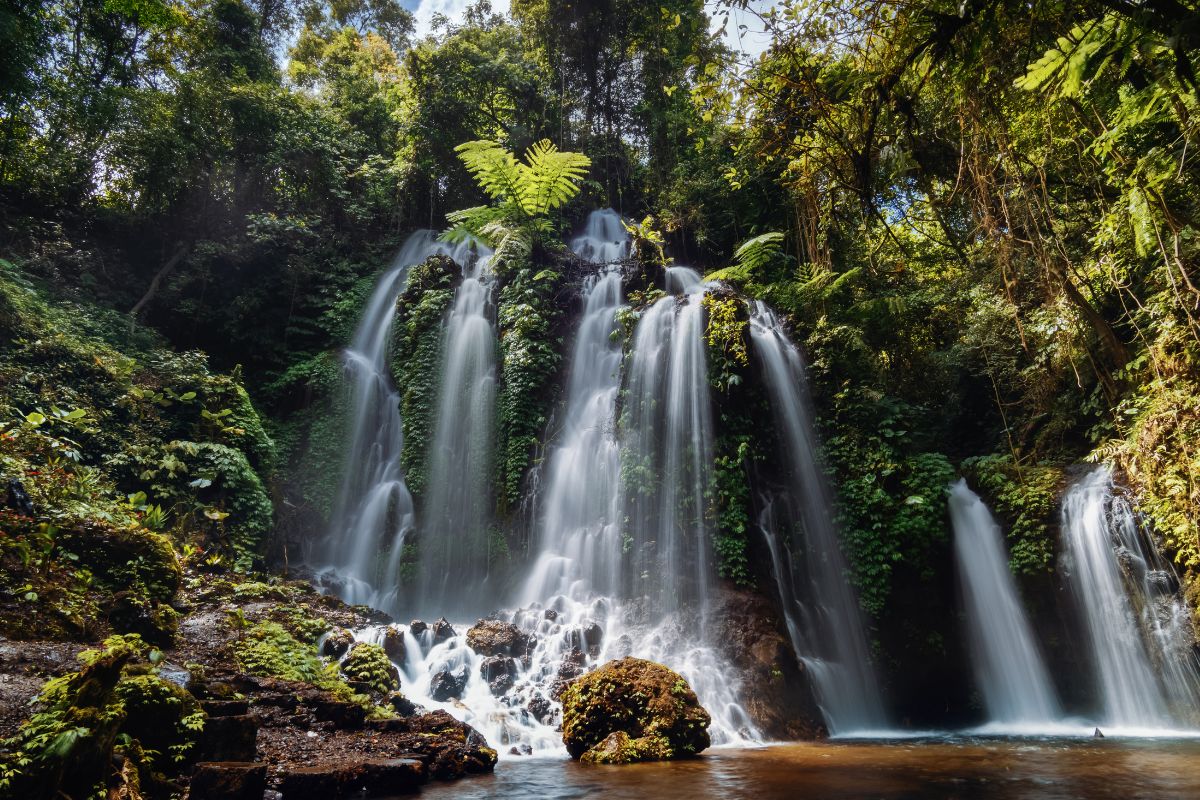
point(417, 357)
point(269, 650)
point(368, 664)
point(1026, 498)
point(114, 705)
point(528, 314)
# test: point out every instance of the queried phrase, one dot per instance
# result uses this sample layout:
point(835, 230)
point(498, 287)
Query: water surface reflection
point(960, 769)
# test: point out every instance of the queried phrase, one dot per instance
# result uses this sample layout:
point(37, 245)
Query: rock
point(228, 780)
point(522, 749)
point(369, 778)
point(368, 664)
point(156, 623)
point(417, 627)
point(633, 710)
point(1097, 734)
point(402, 705)
point(491, 637)
point(540, 708)
point(393, 644)
point(342, 714)
point(448, 684)
point(16, 499)
point(337, 643)
point(500, 672)
point(229, 738)
point(551, 614)
point(442, 630)
point(225, 708)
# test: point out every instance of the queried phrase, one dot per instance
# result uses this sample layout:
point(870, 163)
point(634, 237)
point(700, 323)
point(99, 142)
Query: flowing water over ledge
point(964, 769)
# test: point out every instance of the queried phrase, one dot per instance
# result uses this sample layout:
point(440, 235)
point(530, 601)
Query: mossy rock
point(163, 717)
point(633, 710)
point(132, 559)
point(369, 665)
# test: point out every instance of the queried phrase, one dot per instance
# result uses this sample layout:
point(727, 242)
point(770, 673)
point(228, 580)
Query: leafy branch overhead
point(524, 191)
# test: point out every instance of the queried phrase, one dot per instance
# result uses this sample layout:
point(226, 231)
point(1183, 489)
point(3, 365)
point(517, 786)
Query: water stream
point(373, 513)
point(824, 620)
point(1009, 669)
point(1140, 635)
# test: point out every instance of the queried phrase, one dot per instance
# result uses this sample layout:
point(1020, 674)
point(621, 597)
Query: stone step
point(228, 780)
point(369, 778)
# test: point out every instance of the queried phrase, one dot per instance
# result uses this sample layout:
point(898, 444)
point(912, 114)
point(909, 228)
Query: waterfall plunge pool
point(947, 767)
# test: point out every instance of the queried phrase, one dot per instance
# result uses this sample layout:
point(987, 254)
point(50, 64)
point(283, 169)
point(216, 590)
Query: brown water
point(968, 769)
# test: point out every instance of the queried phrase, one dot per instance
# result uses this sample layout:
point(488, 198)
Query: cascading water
point(1140, 634)
point(1009, 669)
point(822, 613)
point(579, 536)
point(454, 549)
point(374, 511)
point(604, 240)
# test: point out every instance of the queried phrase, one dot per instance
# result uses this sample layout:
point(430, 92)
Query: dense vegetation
point(982, 220)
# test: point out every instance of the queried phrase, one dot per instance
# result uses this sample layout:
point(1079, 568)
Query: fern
point(751, 257)
point(524, 191)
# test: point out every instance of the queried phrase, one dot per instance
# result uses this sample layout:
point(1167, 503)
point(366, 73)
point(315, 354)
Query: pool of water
point(964, 769)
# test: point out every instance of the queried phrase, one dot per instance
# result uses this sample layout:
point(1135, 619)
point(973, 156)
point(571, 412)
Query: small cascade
point(604, 239)
point(374, 511)
point(1009, 669)
point(668, 439)
point(1140, 634)
point(579, 535)
point(454, 551)
point(823, 616)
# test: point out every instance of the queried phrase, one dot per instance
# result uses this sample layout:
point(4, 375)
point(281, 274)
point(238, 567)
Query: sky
point(750, 42)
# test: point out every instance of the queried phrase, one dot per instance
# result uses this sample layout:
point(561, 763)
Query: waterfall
point(579, 535)
point(823, 616)
point(604, 240)
point(1140, 635)
point(455, 544)
point(1016, 687)
point(373, 512)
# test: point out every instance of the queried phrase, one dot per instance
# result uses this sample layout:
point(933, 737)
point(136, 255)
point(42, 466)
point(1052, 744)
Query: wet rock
point(224, 708)
point(339, 713)
point(337, 643)
point(402, 705)
point(492, 637)
point(540, 708)
point(417, 627)
point(442, 630)
point(633, 710)
point(156, 623)
point(228, 780)
point(229, 738)
point(551, 614)
point(16, 499)
point(522, 749)
point(593, 637)
point(371, 778)
point(448, 684)
point(369, 666)
point(500, 672)
point(393, 644)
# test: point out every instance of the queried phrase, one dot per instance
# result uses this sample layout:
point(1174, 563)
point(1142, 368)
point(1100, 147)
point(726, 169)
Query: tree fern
point(751, 257)
point(525, 192)
point(550, 177)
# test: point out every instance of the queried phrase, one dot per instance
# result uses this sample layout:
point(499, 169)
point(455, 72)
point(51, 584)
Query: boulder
point(491, 637)
point(633, 710)
point(368, 665)
point(337, 643)
point(443, 630)
point(228, 780)
point(417, 627)
point(369, 778)
point(230, 738)
point(16, 499)
point(500, 672)
point(448, 684)
point(393, 644)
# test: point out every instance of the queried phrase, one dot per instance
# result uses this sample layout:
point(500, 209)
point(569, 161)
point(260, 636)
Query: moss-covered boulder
point(633, 710)
point(369, 666)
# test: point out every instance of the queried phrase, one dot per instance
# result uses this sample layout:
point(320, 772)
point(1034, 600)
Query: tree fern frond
point(493, 167)
point(755, 254)
point(550, 177)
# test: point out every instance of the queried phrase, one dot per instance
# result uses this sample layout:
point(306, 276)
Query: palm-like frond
point(756, 253)
point(550, 177)
point(494, 168)
point(469, 223)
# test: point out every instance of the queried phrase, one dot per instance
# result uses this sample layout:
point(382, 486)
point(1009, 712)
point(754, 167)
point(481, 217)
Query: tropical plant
point(525, 193)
